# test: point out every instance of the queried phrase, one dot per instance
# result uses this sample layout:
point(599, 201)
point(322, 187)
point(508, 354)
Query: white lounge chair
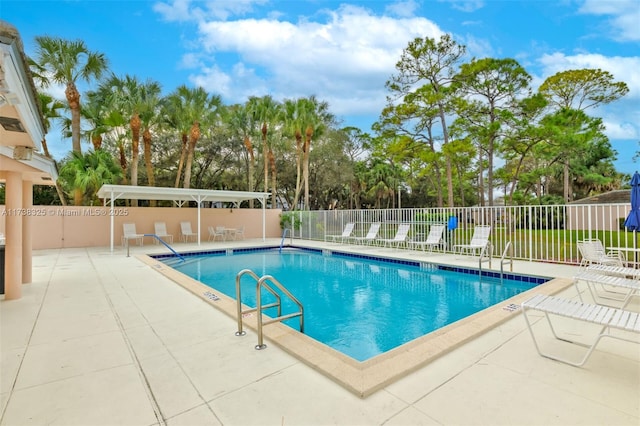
point(479, 240)
point(371, 234)
point(129, 233)
point(346, 233)
point(434, 238)
point(186, 232)
point(613, 287)
point(160, 229)
point(401, 236)
point(593, 252)
point(607, 317)
point(217, 232)
point(618, 271)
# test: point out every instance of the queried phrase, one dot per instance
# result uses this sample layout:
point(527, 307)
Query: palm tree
point(50, 108)
point(264, 111)
point(66, 62)
point(149, 114)
point(315, 117)
point(85, 174)
point(240, 122)
point(186, 109)
point(176, 116)
point(290, 115)
point(95, 112)
point(126, 96)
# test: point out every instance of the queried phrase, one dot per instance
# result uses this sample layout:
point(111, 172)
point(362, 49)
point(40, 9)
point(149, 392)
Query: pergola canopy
point(111, 193)
point(178, 195)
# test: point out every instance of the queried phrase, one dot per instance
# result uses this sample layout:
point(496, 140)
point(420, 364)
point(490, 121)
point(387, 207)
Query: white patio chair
point(160, 229)
point(217, 232)
point(593, 252)
point(186, 232)
point(401, 236)
point(129, 233)
point(239, 233)
point(479, 240)
point(434, 238)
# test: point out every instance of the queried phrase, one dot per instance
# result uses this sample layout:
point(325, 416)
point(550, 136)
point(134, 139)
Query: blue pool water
point(359, 306)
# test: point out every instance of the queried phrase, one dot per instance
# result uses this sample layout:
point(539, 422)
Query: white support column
point(111, 222)
point(264, 219)
point(27, 240)
point(13, 243)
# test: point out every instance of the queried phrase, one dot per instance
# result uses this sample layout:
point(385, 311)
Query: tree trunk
point(183, 152)
point(96, 140)
point(445, 140)
point(146, 140)
point(305, 166)
point(193, 140)
point(134, 123)
point(565, 173)
point(249, 146)
point(296, 198)
point(272, 161)
point(73, 99)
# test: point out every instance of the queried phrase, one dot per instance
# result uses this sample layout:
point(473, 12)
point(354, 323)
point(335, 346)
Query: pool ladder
point(264, 282)
point(508, 249)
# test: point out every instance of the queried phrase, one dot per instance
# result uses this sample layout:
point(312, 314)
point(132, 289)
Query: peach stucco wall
point(65, 227)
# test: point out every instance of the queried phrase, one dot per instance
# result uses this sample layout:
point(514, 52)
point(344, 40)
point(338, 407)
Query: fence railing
point(537, 233)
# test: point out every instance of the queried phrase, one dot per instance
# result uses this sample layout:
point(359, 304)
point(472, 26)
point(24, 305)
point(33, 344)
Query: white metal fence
point(536, 233)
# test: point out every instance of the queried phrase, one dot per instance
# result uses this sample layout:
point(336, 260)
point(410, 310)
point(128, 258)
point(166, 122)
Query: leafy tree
point(239, 120)
point(411, 125)
point(66, 62)
point(265, 111)
point(491, 88)
point(579, 90)
point(50, 108)
point(577, 142)
point(582, 89)
point(85, 173)
point(433, 63)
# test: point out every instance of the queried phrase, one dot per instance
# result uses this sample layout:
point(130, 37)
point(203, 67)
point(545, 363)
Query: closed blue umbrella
point(632, 223)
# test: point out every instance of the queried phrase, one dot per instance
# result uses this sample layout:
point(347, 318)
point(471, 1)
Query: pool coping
point(364, 378)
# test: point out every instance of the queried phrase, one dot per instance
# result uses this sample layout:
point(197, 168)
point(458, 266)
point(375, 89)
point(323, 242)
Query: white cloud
point(404, 9)
point(625, 16)
point(620, 130)
point(189, 10)
point(466, 5)
point(336, 59)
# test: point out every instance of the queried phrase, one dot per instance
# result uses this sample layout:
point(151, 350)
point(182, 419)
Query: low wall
point(70, 226)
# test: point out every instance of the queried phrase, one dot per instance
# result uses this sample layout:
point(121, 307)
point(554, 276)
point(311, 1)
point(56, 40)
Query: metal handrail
point(507, 248)
point(166, 245)
point(487, 248)
point(262, 283)
point(284, 235)
point(240, 312)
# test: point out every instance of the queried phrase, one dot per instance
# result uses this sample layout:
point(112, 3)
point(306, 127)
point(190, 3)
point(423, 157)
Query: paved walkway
point(103, 339)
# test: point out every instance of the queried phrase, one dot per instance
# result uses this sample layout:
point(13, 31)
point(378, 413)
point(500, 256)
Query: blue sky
point(342, 52)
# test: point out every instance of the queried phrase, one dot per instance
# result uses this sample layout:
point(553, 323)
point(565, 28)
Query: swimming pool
point(359, 305)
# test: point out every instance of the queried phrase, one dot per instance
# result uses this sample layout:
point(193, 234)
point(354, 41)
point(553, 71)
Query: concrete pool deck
point(101, 338)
